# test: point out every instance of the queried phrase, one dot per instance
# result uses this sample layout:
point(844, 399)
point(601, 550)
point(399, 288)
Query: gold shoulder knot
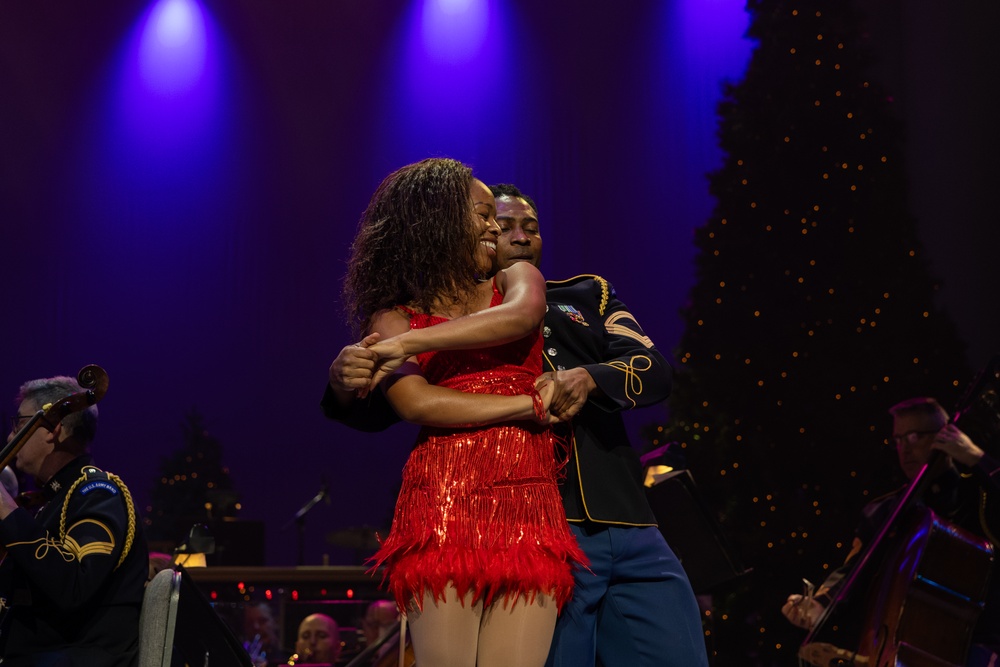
point(97, 478)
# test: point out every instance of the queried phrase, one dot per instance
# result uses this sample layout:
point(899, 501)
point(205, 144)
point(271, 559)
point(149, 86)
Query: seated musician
point(262, 635)
point(318, 641)
point(920, 425)
point(381, 618)
point(74, 573)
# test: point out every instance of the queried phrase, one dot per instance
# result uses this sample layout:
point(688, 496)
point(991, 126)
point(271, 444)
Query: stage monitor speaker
point(692, 532)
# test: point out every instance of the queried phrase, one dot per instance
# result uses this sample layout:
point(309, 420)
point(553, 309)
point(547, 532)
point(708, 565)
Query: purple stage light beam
point(172, 47)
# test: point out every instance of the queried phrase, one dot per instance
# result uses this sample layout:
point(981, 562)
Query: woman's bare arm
point(417, 401)
point(521, 312)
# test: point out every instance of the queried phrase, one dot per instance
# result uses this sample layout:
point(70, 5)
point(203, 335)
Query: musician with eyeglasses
point(75, 569)
point(920, 426)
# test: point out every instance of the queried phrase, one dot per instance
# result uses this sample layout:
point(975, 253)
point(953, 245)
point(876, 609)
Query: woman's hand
point(547, 391)
point(390, 355)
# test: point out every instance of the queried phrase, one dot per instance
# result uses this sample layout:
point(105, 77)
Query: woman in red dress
point(479, 556)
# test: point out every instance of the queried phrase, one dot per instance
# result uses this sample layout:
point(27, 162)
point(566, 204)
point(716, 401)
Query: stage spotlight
point(172, 46)
point(455, 31)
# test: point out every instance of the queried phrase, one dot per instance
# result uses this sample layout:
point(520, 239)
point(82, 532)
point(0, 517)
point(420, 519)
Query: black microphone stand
point(300, 519)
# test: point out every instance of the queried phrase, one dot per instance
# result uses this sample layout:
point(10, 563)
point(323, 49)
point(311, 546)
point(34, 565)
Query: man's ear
point(58, 434)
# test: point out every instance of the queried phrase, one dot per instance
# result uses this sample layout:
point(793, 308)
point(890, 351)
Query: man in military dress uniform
point(960, 494)
point(634, 607)
point(73, 577)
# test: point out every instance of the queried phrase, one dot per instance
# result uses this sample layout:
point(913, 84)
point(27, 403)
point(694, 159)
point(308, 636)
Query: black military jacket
point(74, 574)
point(587, 326)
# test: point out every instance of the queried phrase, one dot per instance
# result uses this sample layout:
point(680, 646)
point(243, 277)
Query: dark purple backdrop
point(193, 244)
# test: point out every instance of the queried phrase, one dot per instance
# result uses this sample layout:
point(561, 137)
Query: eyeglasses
point(910, 437)
point(16, 422)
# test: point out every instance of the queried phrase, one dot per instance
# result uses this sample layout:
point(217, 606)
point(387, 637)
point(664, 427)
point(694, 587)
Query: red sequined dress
point(479, 506)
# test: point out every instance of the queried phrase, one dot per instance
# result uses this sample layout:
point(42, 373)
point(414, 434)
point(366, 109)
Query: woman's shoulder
point(520, 271)
point(392, 321)
point(520, 274)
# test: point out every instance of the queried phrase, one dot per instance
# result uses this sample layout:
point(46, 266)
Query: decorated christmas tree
point(194, 487)
point(813, 312)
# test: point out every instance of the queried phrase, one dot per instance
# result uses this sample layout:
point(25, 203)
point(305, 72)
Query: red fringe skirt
point(479, 508)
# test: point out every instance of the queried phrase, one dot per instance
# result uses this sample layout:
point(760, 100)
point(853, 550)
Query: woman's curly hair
point(414, 245)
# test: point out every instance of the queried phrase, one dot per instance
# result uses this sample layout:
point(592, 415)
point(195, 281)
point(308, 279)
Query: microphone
point(325, 490)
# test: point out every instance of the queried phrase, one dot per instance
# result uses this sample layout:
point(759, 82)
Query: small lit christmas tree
point(194, 486)
point(813, 312)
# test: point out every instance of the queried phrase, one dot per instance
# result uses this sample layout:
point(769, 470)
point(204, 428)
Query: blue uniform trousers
point(633, 608)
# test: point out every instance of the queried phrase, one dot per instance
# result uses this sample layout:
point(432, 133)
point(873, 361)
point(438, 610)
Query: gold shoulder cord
point(129, 537)
point(604, 294)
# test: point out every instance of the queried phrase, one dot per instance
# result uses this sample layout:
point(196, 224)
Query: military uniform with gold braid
point(635, 605)
point(587, 326)
point(635, 584)
point(74, 574)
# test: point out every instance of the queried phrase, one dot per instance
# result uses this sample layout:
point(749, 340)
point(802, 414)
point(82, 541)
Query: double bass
point(919, 586)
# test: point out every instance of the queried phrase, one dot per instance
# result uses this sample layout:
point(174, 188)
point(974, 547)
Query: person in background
point(919, 427)
point(317, 642)
point(261, 634)
point(381, 628)
point(380, 619)
point(75, 572)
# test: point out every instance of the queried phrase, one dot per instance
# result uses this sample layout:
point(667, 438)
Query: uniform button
point(551, 352)
point(560, 367)
point(546, 332)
